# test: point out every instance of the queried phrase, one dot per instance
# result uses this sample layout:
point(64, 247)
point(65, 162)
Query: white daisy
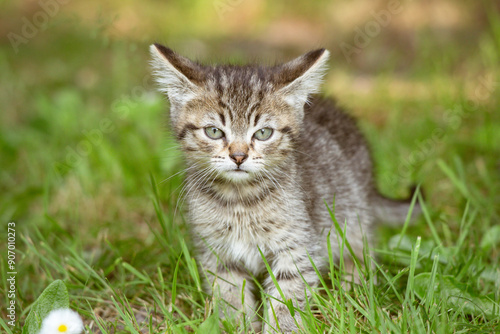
point(62, 321)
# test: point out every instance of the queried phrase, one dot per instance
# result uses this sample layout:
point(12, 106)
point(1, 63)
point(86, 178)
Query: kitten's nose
point(238, 157)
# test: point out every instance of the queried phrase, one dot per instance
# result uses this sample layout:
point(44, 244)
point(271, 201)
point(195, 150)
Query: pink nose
point(238, 157)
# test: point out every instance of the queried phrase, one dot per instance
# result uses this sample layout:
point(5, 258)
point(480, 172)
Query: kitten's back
point(344, 130)
point(336, 162)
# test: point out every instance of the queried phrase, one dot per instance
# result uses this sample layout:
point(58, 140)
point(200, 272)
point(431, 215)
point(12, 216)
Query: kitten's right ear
point(178, 77)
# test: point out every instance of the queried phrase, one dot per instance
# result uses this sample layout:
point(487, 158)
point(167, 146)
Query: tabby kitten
point(263, 156)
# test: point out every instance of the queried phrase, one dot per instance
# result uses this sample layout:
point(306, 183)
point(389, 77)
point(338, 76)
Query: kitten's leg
point(225, 282)
point(353, 274)
point(291, 268)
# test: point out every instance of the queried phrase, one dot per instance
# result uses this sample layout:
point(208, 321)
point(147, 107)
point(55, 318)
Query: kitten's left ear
point(302, 76)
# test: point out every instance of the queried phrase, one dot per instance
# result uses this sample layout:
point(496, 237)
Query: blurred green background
point(84, 136)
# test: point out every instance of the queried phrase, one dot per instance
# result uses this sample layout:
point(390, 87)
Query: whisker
point(287, 176)
point(208, 177)
point(186, 185)
point(199, 178)
point(179, 172)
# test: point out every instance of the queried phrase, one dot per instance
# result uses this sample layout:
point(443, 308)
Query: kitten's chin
point(237, 175)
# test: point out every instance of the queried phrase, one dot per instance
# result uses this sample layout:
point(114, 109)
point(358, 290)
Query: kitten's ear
point(178, 77)
point(302, 76)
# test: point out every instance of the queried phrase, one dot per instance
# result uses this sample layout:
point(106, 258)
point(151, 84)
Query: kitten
point(263, 156)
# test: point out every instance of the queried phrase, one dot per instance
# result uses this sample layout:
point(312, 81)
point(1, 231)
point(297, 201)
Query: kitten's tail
point(394, 212)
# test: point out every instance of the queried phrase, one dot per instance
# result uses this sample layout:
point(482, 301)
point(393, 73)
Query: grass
point(89, 175)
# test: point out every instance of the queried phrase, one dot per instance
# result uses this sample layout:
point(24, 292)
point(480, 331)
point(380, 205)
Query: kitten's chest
point(240, 228)
point(253, 224)
point(239, 233)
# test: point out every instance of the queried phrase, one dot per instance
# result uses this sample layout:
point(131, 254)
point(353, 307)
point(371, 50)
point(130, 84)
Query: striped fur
point(274, 201)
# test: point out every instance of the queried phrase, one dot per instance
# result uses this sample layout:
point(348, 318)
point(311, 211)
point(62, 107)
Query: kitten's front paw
point(243, 320)
point(281, 321)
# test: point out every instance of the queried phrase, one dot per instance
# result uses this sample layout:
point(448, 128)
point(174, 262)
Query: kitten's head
point(239, 122)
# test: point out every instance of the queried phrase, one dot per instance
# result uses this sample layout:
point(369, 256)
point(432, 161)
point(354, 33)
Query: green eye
point(214, 133)
point(263, 134)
